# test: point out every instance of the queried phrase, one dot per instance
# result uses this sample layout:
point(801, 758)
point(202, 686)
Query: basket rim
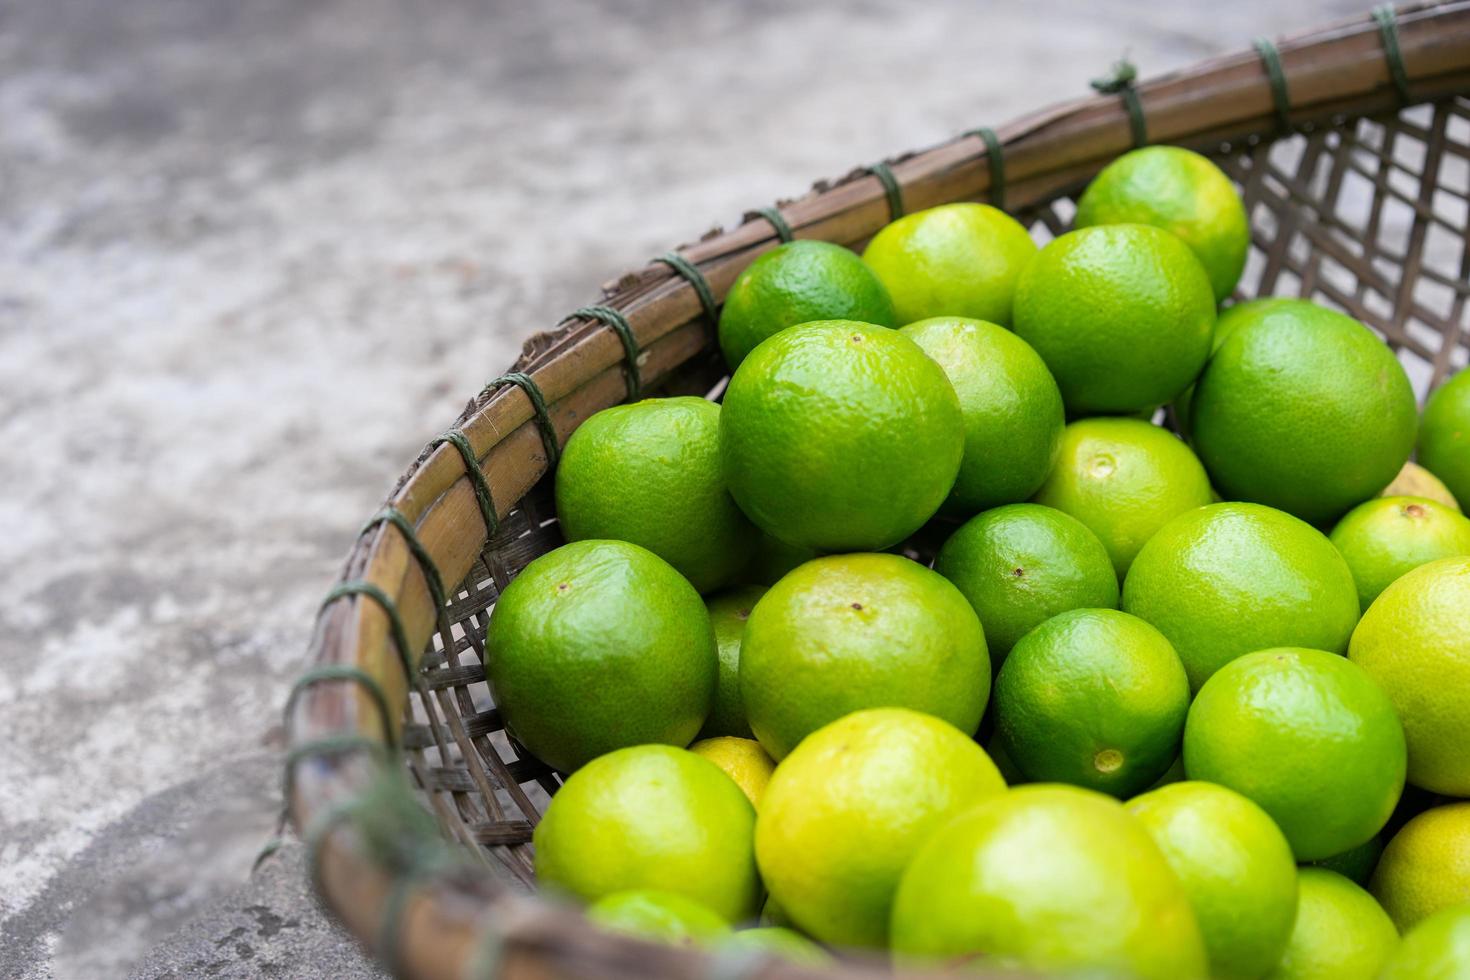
point(442, 925)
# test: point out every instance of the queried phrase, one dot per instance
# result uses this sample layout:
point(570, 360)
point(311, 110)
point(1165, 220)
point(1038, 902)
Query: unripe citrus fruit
point(1235, 866)
point(1340, 932)
point(860, 631)
point(1415, 642)
point(599, 645)
point(840, 436)
point(662, 916)
point(1436, 949)
point(1227, 579)
point(1444, 435)
point(650, 473)
point(1309, 737)
point(1092, 697)
point(651, 816)
point(1121, 314)
point(1304, 409)
point(1226, 321)
point(1021, 564)
point(1048, 878)
point(1011, 407)
point(1124, 479)
point(1179, 191)
point(1415, 481)
point(847, 809)
point(953, 260)
point(743, 760)
point(728, 612)
point(796, 283)
point(1384, 538)
point(1426, 866)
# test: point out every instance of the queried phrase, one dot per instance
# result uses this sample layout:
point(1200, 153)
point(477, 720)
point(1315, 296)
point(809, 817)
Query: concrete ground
point(253, 253)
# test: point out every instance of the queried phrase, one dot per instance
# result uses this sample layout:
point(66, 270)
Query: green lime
point(1124, 479)
point(1415, 642)
point(1383, 538)
point(1340, 932)
point(1436, 949)
point(1179, 191)
point(662, 916)
point(1226, 321)
point(743, 760)
point(1304, 409)
point(1092, 697)
point(1011, 407)
point(1227, 579)
point(1234, 864)
point(728, 612)
point(1308, 736)
point(860, 631)
point(649, 473)
point(796, 283)
point(773, 558)
point(840, 436)
point(1356, 864)
point(1048, 878)
point(1122, 314)
point(848, 808)
point(785, 944)
point(1415, 481)
point(953, 260)
point(651, 816)
point(598, 645)
point(1426, 866)
point(1020, 565)
point(1444, 435)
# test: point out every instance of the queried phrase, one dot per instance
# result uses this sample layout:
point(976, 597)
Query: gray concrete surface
point(254, 252)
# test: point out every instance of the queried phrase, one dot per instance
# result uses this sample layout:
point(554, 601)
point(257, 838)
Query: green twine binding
point(619, 325)
point(995, 155)
point(538, 404)
point(392, 515)
point(1120, 83)
point(777, 221)
point(891, 189)
point(457, 439)
point(343, 672)
point(1388, 31)
point(327, 745)
point(356, 587)
point(1280, 95)
point(317, 832)
point(691, 274)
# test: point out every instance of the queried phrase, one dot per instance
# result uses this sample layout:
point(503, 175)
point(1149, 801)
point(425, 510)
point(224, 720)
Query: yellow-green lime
point(1356, 863)
point(650, 473)
point(796, 283)
point(1384, 538)
point(1444, 435)
point(1309, 737)
point(1415, 481)
point(1121, 314)
point(1021, 564)
point(840, 436)
point(1011, 407)
point(848, 808)
point(1235, 866)
point(1048, 878)
point(1092, 697)
point(785, 944)
point(953, 260)
point(662, 916)
point(728, 612)
point(1340, 933)
point(1415, 642)
point(1124, 479)
point(1226, 321)
point(599, 645)
point(1228, 579)
point(1181, 192)
point(1305, 409)
point(1426, 866)
point(651, 816)
point(860, 631)
point(1436, 949)
point(743, 760)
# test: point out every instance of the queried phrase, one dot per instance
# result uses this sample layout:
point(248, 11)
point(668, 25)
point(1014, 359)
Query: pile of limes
point(1158, 706)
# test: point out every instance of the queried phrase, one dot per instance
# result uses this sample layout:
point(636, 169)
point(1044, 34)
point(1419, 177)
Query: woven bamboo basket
point(1351, 146)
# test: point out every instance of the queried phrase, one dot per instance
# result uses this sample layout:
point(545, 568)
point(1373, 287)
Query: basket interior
point(1371, 216)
